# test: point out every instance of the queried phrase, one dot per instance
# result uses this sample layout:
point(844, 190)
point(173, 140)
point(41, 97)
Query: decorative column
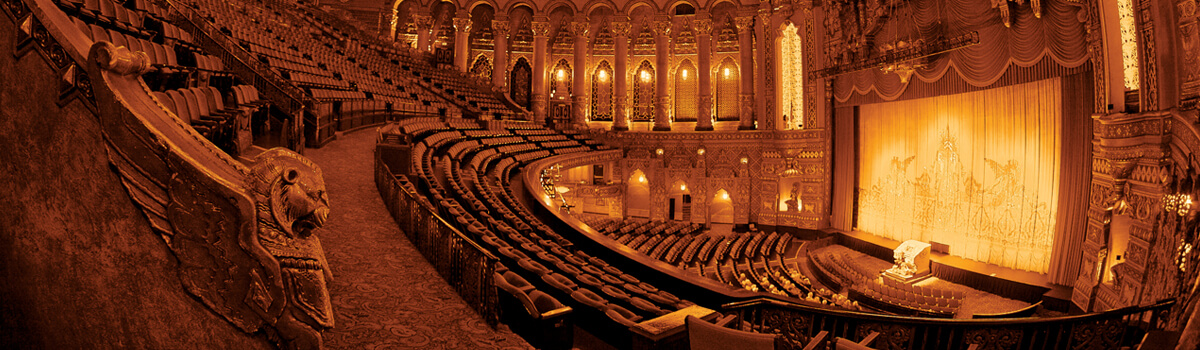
point(662, 56)
point(579, 96)
point(462, 54)
point(541, 33)
point(763, 83)
point(424, 31)
point(620, 32)
point(500, 60)
point(746, 48)
point(703, 27)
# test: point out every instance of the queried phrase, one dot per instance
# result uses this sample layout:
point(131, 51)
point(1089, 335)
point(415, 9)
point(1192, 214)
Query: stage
point(1026, 286)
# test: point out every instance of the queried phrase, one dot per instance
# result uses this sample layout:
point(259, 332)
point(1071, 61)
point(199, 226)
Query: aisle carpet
point(385, 295)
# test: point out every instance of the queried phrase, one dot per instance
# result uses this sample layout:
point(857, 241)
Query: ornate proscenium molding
point(244, 235)
point(900, 56)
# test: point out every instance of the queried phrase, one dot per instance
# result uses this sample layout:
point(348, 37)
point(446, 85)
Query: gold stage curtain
point(978, 171)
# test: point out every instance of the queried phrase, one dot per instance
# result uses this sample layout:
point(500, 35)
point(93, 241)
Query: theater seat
point(560, 282)
point(621, 315)
point(587, 297)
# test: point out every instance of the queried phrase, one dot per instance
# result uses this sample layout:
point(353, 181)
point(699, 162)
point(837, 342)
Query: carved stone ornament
point(541, 29)
point(620, 29)
point(423, 21)
point(703, 26)
point(501, 27)
point(244, 235)
point(462, 24)
point(662, 28)
point(743, 23)
point(580, 29)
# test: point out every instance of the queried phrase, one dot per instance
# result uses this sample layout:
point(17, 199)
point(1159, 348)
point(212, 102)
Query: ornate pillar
point(541, 33)
point(746, 48)
point(620, 96)
point(704, 120)
point(579, 95)
point(761, 115)
point(662, 56)
point(424, 31)
point(462, 53)
point(500, 53)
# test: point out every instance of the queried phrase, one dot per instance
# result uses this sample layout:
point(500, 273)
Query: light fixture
point(684, 72)
point(642, 178)
point(561, 74)
point(700, 151)
point(745, 160)
point(725, 195)
point(659, 151)
point(645, 76)
point(726, 73)
point(603, 75)
point(683, 187)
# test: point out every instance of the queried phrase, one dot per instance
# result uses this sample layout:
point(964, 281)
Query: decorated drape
point(1058, 35)
point(977, 171)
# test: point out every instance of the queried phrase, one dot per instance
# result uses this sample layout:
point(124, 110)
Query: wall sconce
point(602, 75)
point(745, 160)
point(725, 195)
point(684, 72)
point(561, 74)
point(683, 187)
point(642, 179)
point(645, 76)
point(659, 151)
point(726, 73)
point(700, 151)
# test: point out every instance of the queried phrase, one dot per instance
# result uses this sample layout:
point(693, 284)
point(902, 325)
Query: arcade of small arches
point(643, 66)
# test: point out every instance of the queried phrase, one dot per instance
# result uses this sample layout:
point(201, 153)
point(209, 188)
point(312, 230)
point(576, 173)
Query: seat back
point(166, 100)
point(184, 111)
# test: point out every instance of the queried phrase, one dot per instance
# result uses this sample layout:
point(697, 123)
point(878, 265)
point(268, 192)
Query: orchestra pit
point(600, 174)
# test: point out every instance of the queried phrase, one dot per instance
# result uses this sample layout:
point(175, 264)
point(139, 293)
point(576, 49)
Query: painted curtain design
point(978, 171)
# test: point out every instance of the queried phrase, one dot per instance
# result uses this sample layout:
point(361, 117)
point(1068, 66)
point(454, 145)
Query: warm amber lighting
point(659, 151)
point(682, 187)
point(642, 179)
point(561, 74)
point(726, 73)
point(602, 75)
point(725, 195)
point(700, 151)
point(745, 160)
point(645, 76)
point(684, 74)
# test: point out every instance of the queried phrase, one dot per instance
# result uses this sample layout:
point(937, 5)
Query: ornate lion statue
point(244, 235)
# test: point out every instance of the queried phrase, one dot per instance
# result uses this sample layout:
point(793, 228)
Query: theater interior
point(600, 174)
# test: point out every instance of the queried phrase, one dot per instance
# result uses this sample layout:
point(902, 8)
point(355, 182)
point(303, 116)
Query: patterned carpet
point(385, 295)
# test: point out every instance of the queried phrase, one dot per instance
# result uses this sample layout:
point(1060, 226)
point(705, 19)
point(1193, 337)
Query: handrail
point(289, 98)
point(461, 261)
point(1107, 330)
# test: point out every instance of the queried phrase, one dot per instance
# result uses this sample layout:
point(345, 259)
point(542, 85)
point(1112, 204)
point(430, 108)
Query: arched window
point(602, 92)
point(520, 83)
point(727, 90)
point(792, 72)
point(482, 67)
point(643, 92)
point(685, 92)
point(560, 80)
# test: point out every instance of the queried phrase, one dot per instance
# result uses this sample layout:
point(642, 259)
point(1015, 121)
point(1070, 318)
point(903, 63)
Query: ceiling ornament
point(868, 34)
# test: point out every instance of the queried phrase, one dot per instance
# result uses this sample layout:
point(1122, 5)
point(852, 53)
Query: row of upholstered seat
point(903, 296)
point(500, 222)
point(215, 115)
point(837, 272)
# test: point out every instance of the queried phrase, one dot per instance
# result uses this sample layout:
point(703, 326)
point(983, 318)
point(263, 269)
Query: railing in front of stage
point(463, 263)
point(1106, 330)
